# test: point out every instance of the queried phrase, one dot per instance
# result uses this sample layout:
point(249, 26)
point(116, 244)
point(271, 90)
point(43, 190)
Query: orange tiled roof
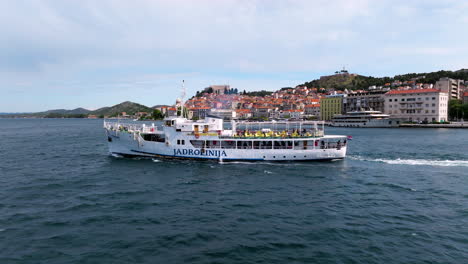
point(199, 108)
point(413, 91)
point(243, 110)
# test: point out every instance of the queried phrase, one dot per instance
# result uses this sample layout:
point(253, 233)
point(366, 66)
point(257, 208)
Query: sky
point(68, 54)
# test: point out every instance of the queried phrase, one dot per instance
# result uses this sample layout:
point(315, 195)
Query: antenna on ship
point(182, 102)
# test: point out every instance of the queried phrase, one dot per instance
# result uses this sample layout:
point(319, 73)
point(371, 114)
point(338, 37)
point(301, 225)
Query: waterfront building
point(372, 100)
point(450, 86)
point(465, 97)
point(243, 113)
point(312, 110)
point(198, 112)
point(226, 114)
point(331, 105)
point(171, 111)
point(293, 114)
point(417, 105)
point(262, 112)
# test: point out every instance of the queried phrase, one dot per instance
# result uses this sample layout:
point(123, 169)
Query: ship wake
point(420, 162)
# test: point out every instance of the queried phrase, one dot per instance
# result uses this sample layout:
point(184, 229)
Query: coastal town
point(419, 100)
point(409, 101)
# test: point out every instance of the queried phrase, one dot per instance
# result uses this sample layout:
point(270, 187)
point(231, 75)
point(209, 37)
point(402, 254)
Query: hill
point(158, 106)
point(355, 82)
point(77, 111)
point(129, 107)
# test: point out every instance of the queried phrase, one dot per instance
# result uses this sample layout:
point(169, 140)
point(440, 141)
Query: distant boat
point(364, 119)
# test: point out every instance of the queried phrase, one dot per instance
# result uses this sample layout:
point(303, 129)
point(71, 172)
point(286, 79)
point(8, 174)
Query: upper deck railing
point(130, 127)
point(246, 130)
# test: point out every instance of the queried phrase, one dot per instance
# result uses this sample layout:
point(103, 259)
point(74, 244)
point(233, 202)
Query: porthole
point(274, 157)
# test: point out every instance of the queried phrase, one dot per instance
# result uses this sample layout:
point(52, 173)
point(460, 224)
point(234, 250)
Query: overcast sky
point(68, 54)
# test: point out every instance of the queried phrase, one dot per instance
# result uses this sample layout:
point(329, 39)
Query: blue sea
point(401, 196)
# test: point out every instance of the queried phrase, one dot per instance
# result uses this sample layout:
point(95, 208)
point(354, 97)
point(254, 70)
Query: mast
point(182, 97)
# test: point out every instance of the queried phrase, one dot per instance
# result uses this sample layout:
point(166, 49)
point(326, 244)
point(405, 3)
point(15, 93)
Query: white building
point(223, 113)
point(421, 105)
point(312, 110)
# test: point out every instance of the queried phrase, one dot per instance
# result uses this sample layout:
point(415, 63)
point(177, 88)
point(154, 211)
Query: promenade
point(451, 125)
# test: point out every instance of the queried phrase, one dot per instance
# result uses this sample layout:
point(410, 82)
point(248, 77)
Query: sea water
point(401, 196)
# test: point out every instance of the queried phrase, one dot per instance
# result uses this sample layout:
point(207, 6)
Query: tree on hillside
point(157, 114)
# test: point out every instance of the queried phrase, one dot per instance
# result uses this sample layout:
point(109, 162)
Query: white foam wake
point(443, 163)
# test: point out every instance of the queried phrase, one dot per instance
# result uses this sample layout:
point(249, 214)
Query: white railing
point(129, 127)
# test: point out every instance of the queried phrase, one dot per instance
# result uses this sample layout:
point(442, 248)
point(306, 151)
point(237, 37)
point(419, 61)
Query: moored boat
point(364, 119)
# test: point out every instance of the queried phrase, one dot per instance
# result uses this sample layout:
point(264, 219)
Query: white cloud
point(89, 47)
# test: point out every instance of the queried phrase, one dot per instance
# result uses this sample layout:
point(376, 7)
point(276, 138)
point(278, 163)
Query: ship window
point(262, 144)
point(283, 144)
point(183, 142)
point(153, 137)
point(228, 144)
point(197, 143)
point(178, 142)
point(244, 144)
point(212, 144)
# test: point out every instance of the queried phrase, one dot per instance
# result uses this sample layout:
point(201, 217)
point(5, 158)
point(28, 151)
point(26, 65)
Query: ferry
point(207, 139)
point(364, 119)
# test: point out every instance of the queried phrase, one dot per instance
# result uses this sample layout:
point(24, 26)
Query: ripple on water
point(390, 201)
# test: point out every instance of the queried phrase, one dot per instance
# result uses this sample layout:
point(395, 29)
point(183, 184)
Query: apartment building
point(450, 86)
point(330, 106)
point(420, 105)
point(372, 100)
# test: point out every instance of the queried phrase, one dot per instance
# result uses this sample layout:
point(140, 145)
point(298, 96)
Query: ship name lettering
point(197, 152)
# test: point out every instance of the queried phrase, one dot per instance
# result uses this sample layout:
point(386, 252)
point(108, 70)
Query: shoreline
point(452, 125)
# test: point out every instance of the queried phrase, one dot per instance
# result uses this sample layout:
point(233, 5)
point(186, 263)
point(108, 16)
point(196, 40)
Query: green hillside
point(129, 107)
point(355, 82)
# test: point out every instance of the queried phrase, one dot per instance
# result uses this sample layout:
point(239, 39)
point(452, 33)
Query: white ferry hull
point(128, 144)
point(385, 123)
